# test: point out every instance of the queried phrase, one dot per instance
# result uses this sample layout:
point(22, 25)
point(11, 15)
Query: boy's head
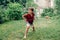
point(30, 10)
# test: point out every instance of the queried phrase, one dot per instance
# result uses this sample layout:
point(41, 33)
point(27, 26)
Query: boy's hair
point(32, 9)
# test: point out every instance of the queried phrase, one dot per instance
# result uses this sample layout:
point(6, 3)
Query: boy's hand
point(24, 17)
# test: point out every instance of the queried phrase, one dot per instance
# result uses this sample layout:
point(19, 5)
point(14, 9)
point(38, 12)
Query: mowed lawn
point(44, 30)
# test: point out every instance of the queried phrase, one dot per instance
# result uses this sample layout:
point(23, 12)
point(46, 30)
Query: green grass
point(45, 30)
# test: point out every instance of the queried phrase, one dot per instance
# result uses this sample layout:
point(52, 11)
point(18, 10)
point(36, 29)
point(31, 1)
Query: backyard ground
point(44, 30)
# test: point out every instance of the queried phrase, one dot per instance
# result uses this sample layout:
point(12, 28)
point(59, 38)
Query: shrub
point(15, 11)
point(48, 12)
point(57, 6)
point(2, 15)
point(12, 12)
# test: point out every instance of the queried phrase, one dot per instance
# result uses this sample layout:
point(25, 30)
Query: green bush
point(57, 9)
point(57, 6)
point(3, 15)
point(12, 12)
point(15, 11)
point(1, 20)
point(48, 12)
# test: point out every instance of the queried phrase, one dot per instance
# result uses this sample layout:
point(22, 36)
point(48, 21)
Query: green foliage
point(23, 2)
point(12, 12)
point(57, 6)
point(15, 11)
point(56, 10)
point(48, 12)
point(30, 3)
point(3, 15)
point(5, 2)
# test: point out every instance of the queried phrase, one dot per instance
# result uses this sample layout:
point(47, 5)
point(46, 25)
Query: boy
point(29, 18)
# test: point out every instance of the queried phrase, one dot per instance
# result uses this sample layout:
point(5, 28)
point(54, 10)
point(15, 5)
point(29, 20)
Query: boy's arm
point(23, 16)
point(34, 17)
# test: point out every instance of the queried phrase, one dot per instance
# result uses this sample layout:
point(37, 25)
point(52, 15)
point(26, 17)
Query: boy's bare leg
point(27, 28)
point(33, 28)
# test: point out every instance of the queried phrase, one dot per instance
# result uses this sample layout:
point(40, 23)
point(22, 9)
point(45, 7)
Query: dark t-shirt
point(29, 18)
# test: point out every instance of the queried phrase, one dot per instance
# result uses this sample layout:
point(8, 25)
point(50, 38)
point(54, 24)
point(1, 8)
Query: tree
point(22, 2)
point(4, 2)
point(30, 3)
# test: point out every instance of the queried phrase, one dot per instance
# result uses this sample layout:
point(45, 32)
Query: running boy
point(29, 18)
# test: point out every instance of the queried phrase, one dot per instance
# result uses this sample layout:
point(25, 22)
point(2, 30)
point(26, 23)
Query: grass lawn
point(45, 30)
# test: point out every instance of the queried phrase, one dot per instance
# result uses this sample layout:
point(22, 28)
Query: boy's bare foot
point(25, 37)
